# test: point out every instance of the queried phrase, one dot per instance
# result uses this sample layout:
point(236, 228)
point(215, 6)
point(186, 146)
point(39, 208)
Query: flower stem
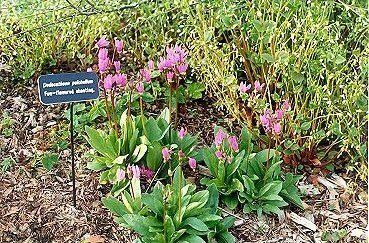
point(142, 116)
point(107, 107)
point(170, 104)
point(114, 112)
point(180, 192)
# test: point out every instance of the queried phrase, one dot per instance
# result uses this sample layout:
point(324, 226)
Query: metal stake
point(72, 153)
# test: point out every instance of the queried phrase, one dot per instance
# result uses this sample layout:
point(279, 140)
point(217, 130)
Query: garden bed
point(35, 205)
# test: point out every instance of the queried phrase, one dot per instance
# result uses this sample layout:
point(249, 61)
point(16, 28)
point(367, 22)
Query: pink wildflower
point(182, 68)
point(233, 143)
point(102, 42)
point(182, 133)
point(170, 76)
point(117, 66)
point(146, 74)
point(151, 65)
point(121, 174)
point(257, 86)
point(108, 82)
point(277, 128)
point(140, 87)
point(279, 114)
point(103, 53)
point(244, 88)
point(219, 154)
point(119, 45)
point(286, 105)
point(192, 163)
point(120, 79)
point(134, 171)
point(166, 154)
point(219, 137)
point(103, 65)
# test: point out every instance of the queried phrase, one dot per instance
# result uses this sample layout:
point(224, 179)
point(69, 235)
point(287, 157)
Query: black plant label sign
point(68, 87)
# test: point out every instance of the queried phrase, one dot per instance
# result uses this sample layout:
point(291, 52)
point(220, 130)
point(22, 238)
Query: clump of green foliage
point(244, 174)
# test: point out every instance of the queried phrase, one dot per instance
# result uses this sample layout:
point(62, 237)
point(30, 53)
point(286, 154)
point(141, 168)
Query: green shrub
point(312, 53)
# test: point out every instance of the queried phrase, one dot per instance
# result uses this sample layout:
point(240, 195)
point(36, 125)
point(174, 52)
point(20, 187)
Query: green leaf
point(139, 152)
point(153, 203)
point(246, 141)
point(137, 223)
point(264, 155)
point(192, 239)
point(195, 223)
point(169, 226)
point(267, 57)
point(271, 188)
point(97, 164)
point(154, 157)
point(213, 200)
point(231, 201)
point(232, 168)
point(114, 205)
point(211, 161)
point(268, 208)
point(97, 142)
point(201, 197)
point(271, 170)
point(49, 160)
point(226, 237)
point(228, 222)
point(305, 126)
point(153, 131)
point(195, 90)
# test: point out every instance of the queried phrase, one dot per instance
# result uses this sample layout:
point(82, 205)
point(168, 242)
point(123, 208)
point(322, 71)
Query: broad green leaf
point(137, 223)
point(271, 188)
point(169, 227)
point(271, 171)
point(201, 196)
point(191, 239)
point(195, 223)
point(231, 201)
point(211, 161)
point(232, 168)
point(97, 142)
point(153, 203)
point(154, 157)
point(114, 205)
point(213, 200)
point(226, 237)
point(97, 164)
point(153, 131)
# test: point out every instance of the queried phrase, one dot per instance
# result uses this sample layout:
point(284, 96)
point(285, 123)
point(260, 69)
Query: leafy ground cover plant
point(171, 213)
point(245, 175)
point(138, 143)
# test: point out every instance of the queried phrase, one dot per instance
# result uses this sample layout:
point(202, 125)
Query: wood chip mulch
point(35, 205)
